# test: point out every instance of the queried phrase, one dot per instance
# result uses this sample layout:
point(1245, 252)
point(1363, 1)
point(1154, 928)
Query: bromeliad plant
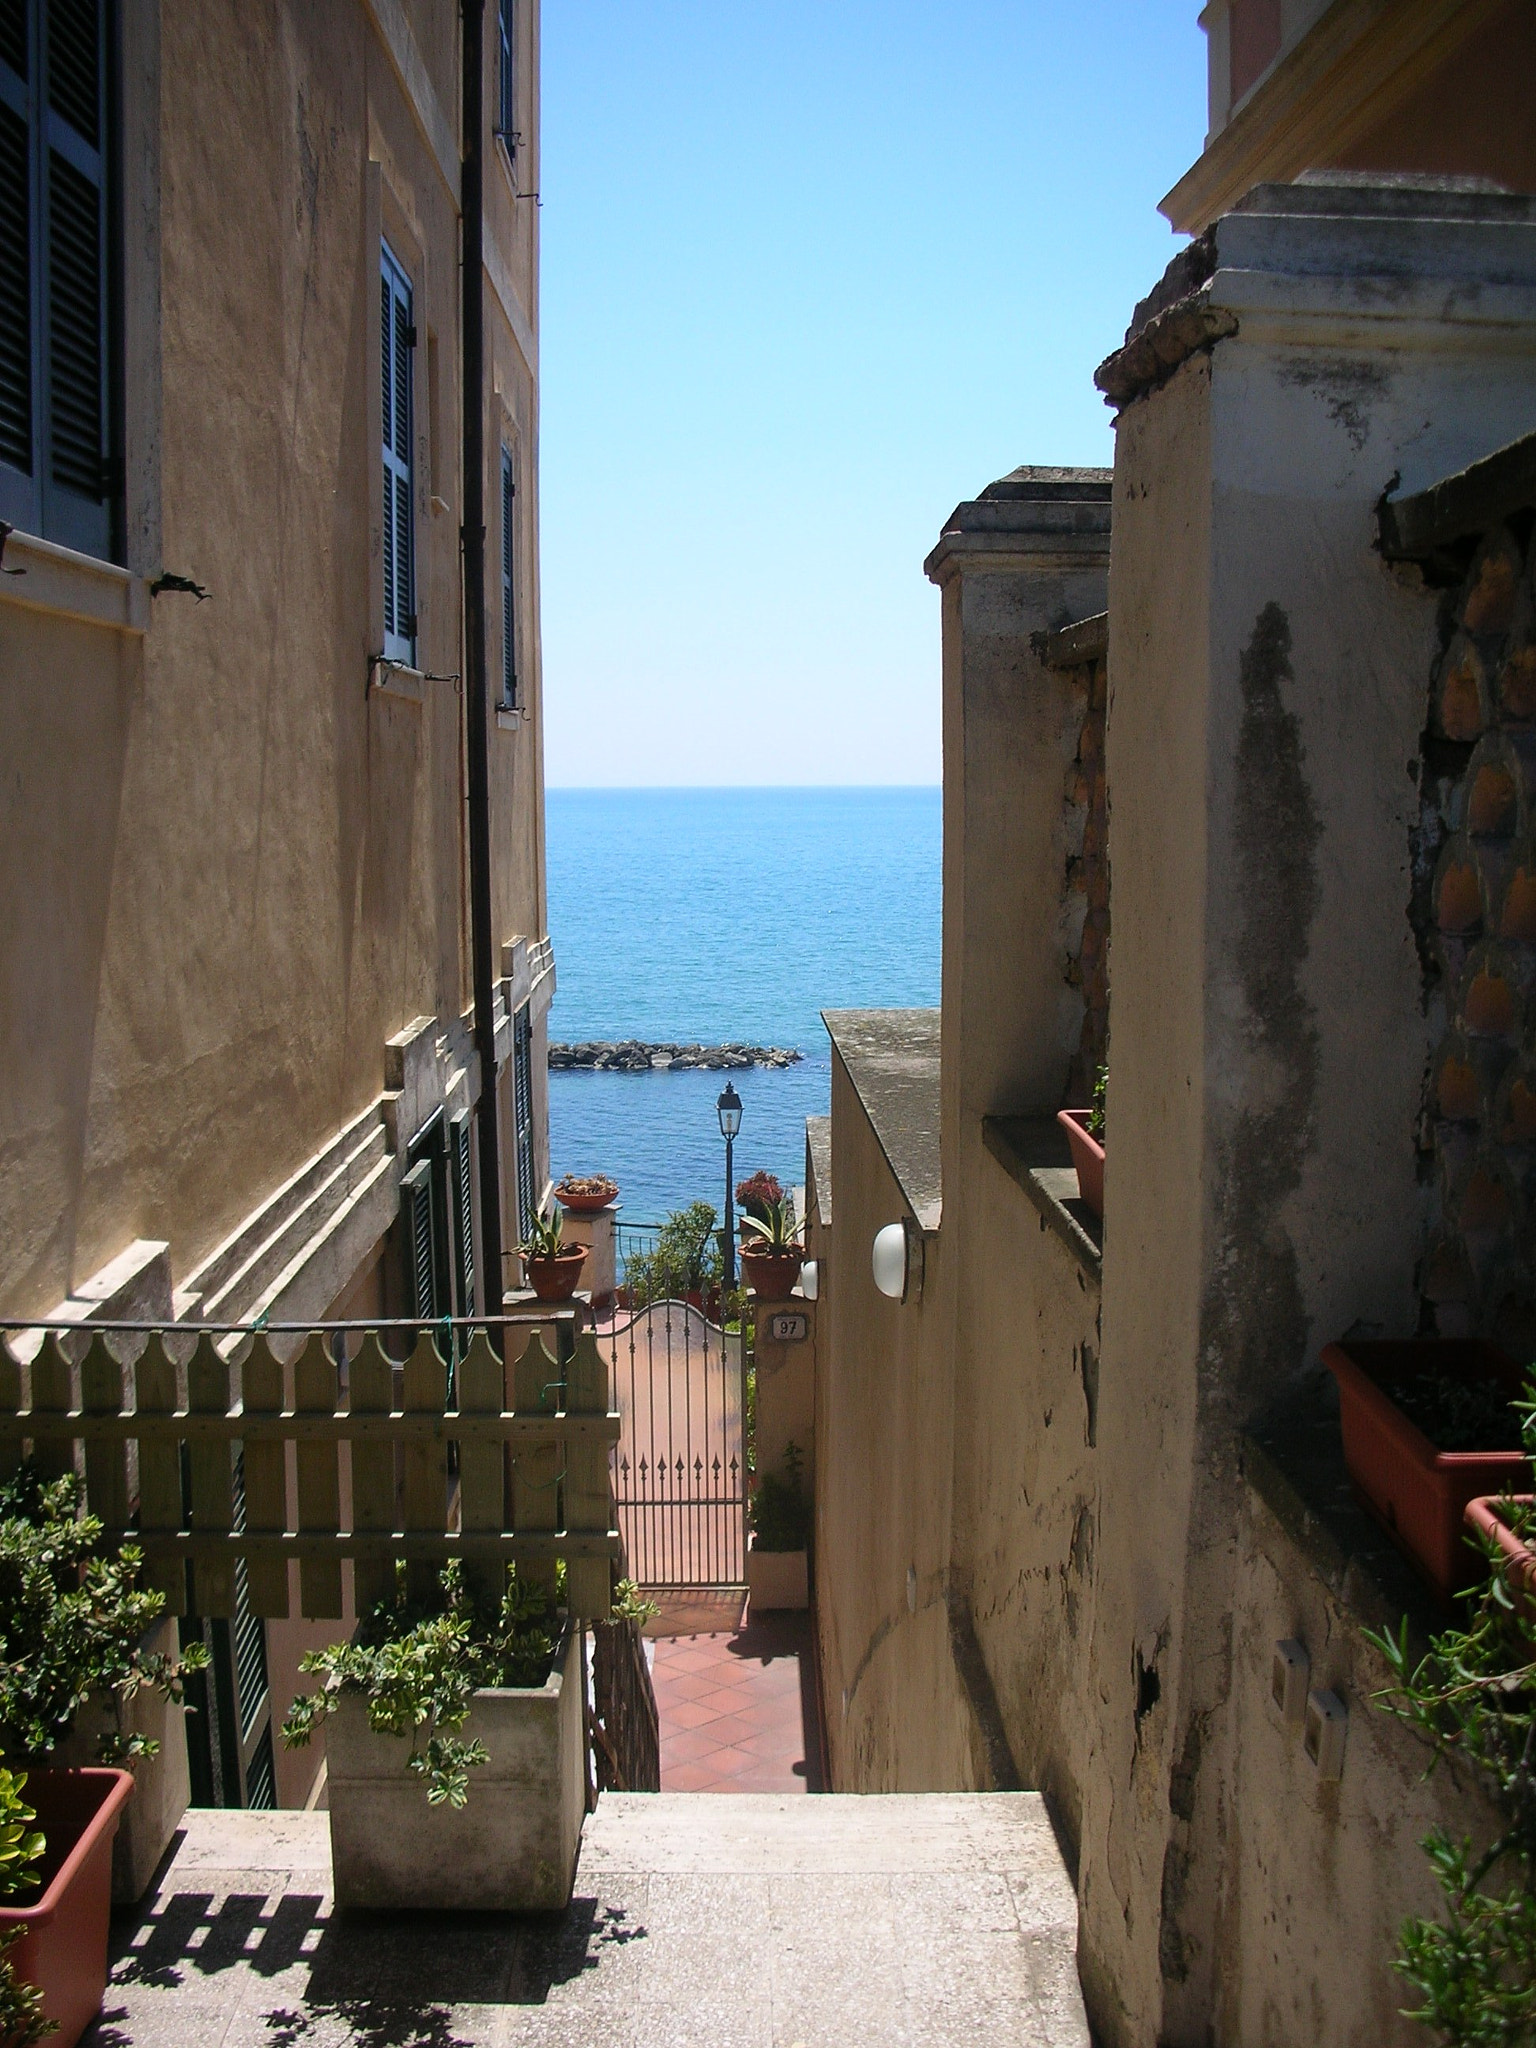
point(72, 1622)
point(544, 1239)
point(772, 1228)
point(1472, 1696)
point(418, 1669)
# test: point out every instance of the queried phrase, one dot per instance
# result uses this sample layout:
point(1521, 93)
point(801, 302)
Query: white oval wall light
point(889, 1261)
point(810, 1279)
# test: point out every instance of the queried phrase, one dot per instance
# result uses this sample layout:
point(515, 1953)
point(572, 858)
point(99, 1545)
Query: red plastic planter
point(771, 1275)
point(1087, 1157)
point(555, 1279)
point(64, 1949)
point(1486, 1516)
point(1417, 1492)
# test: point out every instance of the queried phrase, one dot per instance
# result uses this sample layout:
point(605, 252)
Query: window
point(56, 470)
point(508, 597)
point(522, 1116)
point(436, 1209)
point(506, 79)
point(397, 351)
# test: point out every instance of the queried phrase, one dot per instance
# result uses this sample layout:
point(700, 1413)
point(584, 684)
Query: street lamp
point(728, 1109)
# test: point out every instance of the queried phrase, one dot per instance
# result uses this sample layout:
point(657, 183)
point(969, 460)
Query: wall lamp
point(897, 1260)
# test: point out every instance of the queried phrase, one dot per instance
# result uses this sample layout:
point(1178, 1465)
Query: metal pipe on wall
point(476, 708)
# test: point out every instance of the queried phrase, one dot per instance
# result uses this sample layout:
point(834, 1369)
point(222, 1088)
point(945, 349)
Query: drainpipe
point(472, 397)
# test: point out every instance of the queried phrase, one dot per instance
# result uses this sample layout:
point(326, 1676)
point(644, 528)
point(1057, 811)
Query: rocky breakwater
point(637, 1056)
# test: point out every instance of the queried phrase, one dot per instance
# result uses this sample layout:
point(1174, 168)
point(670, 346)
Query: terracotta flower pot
point(555, 1279)
point(1087, 1157)
point(1486, 1516)
point(771, 1274)
point(588, 1205)
point(1417, 1491)
point(64, 1949)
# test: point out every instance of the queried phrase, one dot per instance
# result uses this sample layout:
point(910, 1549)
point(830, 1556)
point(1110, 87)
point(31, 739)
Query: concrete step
point(698, 1921)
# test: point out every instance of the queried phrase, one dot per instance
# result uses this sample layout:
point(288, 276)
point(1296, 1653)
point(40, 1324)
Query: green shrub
point(781, 1515)
point(686, 1259)
point(22, 2024)
point(417, 1667)
point(1472, 1696)
point(72, 1621)
point(20, 1844)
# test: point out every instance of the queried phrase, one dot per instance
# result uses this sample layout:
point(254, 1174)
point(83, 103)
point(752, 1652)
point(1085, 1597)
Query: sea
point(712, 915)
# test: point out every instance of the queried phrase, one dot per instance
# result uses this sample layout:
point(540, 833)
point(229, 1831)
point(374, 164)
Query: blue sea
point(718, 914)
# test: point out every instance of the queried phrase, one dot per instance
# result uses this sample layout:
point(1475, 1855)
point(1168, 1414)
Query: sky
point(813, 273)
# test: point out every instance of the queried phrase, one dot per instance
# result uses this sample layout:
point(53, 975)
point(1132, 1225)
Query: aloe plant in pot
point(771, 1251)
point(552, 1266)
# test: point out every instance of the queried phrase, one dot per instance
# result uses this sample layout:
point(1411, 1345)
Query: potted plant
point(455, 1751)
point(1472, 1697)
point(553, 1268)
point(778, 1556)
point(585, 1194)
point(1429, 1425)
point(73, 1629)
point(1505, 1525)
point(771, 1252)
point(1085, 1140)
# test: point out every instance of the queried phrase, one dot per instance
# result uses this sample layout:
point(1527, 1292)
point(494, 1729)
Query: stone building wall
point(1474, 915)
point(1082, 650)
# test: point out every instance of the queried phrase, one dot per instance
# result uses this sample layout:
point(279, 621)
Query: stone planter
point(63, 1949)
point(162, 1783)
point(777, 1578)
point(1087, 1157)
point(510, 1848)
point(1417, 1491)
point(771, 1275)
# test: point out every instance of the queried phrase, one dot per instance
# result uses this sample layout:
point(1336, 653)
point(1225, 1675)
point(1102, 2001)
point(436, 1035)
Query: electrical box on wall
point(1288, 1675)
point(1327, 1720)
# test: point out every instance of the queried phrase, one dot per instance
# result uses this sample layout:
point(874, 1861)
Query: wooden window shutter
point(420, 1240)
point(522, 1115)
point(56, 470)
point(461, 1195)
point(508, 589)
point(506, 78)
point(397, 362)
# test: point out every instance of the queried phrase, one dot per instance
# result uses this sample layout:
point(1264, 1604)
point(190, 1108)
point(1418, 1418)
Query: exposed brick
point(1491, 1007)
point(1462, 692)
point(1493, 805)
point(1517, 683)
point(1517, 1125)
point(1458, 1089)
point(1517, 919)
point(1492, 586)
point(1459, 897)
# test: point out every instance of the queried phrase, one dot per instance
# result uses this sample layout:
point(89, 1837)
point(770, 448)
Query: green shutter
point(397, 344)
point(461, 1194)
point(508, 584)
point(420, 1239)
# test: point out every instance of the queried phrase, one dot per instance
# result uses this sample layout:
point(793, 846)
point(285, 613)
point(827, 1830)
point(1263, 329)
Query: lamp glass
point(888, 1260)
point(728, 1109)
point(810, 1279)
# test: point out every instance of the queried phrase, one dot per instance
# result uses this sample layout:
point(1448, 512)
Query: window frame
point(397, 329)
point(506, 80)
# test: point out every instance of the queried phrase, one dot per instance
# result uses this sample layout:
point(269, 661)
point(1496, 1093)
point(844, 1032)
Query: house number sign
point(788, 1329)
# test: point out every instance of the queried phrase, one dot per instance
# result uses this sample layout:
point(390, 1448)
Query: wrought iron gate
point(680, 1465)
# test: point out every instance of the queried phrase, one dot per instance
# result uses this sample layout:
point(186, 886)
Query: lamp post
point(728, 1109)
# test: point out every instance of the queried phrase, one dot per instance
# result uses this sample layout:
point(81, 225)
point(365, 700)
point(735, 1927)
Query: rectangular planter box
point(161, 1784)
point(1087, 1157)
point(1418, 1492)
point(777, 1578)
point(64, 1948)
point(512, 1846)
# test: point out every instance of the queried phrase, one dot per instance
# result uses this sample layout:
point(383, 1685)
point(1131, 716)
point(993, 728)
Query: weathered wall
point(896, 1717)
point(1269, 1046)
point(231, 870)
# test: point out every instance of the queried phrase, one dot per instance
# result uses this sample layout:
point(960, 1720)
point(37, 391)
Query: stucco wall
point(231, 870)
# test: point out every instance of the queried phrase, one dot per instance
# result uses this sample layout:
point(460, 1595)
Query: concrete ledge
point(1032, 1150)
point(892, 1059)
point(44, 577)
point(1460, 507)
point(1293, 1459)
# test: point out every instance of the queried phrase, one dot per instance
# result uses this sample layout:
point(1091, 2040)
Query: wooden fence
point(189, 1457)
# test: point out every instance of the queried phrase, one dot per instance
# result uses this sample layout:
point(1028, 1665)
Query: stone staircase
point(698, 1921)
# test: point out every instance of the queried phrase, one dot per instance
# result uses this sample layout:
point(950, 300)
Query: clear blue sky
point(814, 271)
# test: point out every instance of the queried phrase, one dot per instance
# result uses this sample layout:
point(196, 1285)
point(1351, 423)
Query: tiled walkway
point(736, 1700)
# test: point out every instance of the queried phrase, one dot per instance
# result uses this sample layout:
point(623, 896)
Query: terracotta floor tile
point(727, 1699)
point(685, 1714)
point(731, 1700)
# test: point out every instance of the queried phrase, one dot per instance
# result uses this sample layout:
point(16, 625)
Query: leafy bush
point(72, 1620)
point(20, 1844)
point(1473, 1696)
point(418, 1667)
point(686, 1259)
point(22, 2024)
point(1096, 1111)
point(781, 1515)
